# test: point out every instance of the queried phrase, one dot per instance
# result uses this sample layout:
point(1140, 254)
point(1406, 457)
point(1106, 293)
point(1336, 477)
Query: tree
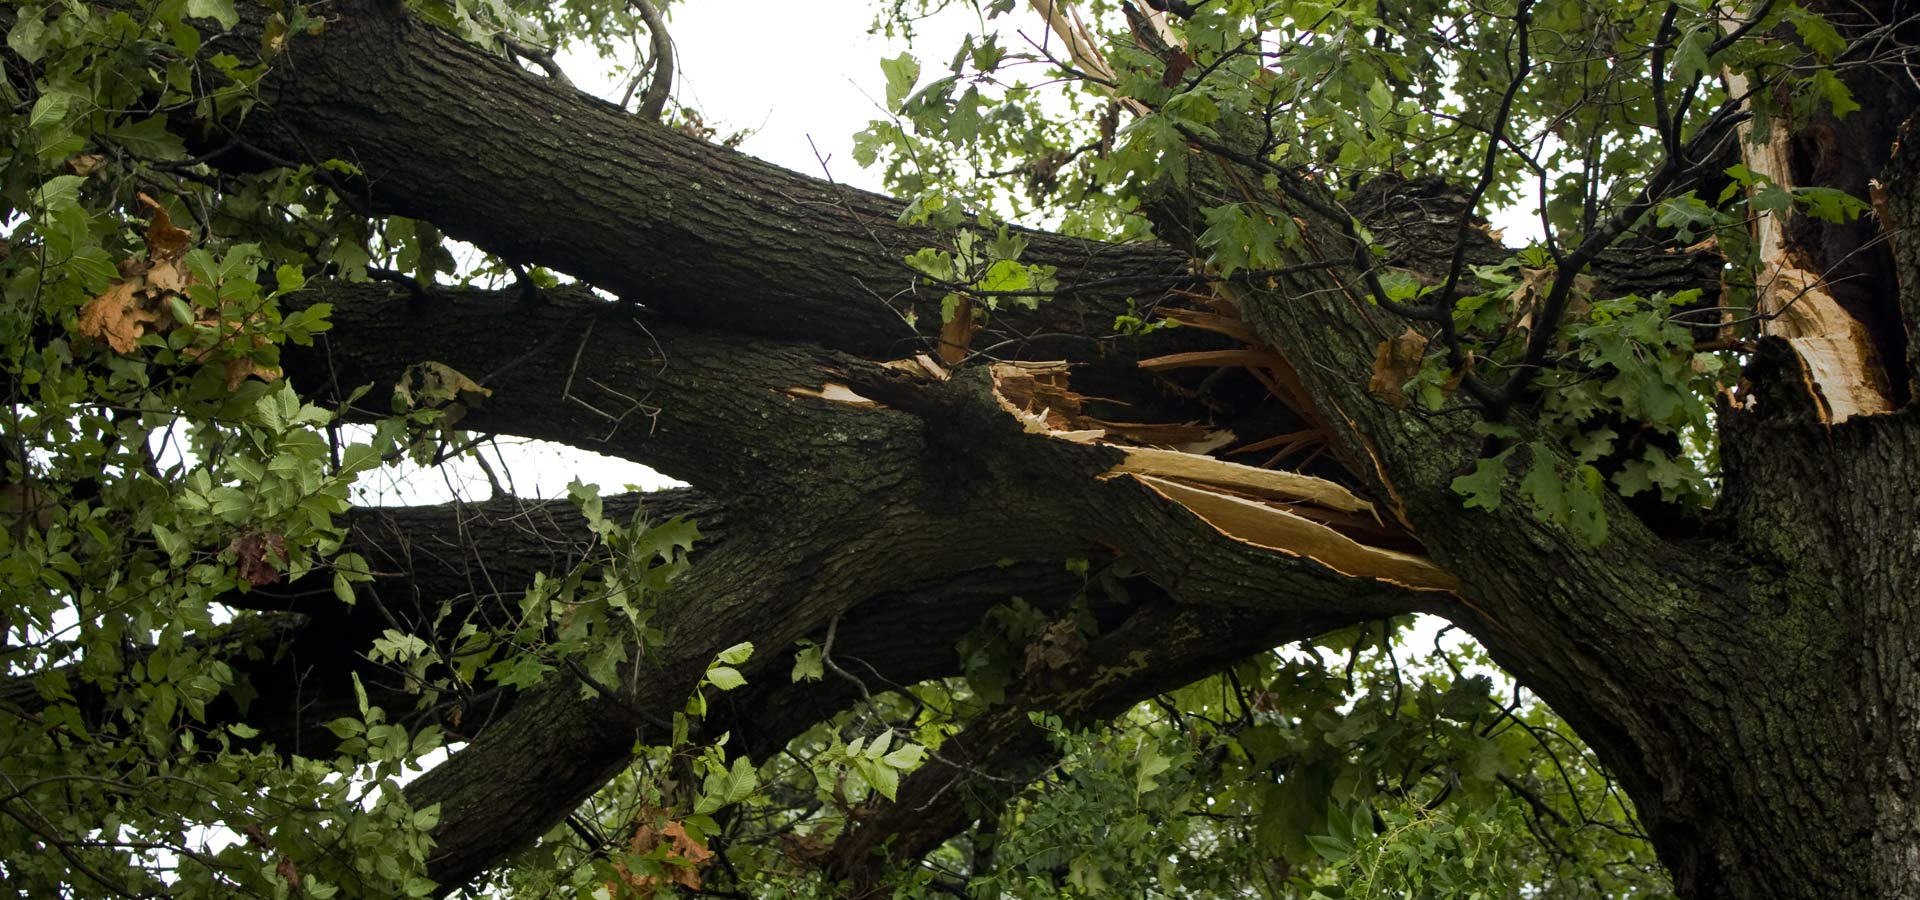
point(1660, 463)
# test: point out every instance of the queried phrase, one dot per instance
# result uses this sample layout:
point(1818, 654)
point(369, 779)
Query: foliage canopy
point(161, 476)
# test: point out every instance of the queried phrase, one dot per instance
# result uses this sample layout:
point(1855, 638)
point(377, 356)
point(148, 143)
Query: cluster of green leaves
point(1330, 771)
point(1340, 93)
point(155, 471)
point(1300, 774)
point(1341, 768)
point(987, 272)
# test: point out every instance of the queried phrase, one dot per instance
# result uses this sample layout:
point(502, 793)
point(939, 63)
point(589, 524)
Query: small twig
point(538, 56)
point(393, 276)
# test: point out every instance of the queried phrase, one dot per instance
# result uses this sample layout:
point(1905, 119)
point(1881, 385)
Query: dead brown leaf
point(165, 241)
point(1394, 364)
point(684, 859)
point(1058, 646)
point(257, 554)
point(120, 317)
point(167, 277)
point(239, 370)
point(86, 164)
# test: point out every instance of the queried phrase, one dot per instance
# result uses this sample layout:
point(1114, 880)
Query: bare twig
point(654, 101)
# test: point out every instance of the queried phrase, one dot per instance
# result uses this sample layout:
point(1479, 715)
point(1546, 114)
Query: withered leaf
point(1057, 647)
point(121, 316)
point(685, 858)
point(164, 240)
point(239, 370)
point(1395, 363)
point(166, 276)
point(86, 164)
point(257, 552)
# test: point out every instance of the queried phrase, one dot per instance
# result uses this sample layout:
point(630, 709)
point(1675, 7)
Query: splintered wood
point(1193, 467)
point(1274, 528)
point(1283, 511)
point(1835, 350)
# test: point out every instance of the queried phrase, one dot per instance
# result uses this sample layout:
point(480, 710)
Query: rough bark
point(1625, 641)
point(848, 505)
point(1753, 689)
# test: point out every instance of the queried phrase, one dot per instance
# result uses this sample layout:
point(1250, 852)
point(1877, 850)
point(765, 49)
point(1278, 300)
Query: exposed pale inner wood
point(1273, 528)
point(834, 393)
point(1266, 482)
point(1834, 348)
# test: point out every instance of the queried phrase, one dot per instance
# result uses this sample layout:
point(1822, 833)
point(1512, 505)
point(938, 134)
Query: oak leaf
point(1395, 363)
point(167, 277)
point(239, 370)
point(86, 164)
point(165, 241)
point(121, 316)
point(685, 856)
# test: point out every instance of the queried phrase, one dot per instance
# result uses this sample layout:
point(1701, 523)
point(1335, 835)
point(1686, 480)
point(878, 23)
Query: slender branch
point(1672, 169)
point(1662, 37)
point(654, 101)
point(1523, 20)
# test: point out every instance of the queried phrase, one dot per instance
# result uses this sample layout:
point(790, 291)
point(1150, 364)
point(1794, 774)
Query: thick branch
point(448, 133)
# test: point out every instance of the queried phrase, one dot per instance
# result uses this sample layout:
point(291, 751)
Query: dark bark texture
point(1753, 686)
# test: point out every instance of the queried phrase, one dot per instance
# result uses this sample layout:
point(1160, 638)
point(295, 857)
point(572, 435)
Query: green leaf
point(1482, 486)
point(28, 37)
point(1818, 34)
point(737, 653)
point(1330, 848)
point(58, 191)
point(1542, 484)
point(726, 678)
point(807, 664)
point(902, 73)
point(149, 138)
point(1380, 95)
point(742, 780)
point(1151, 763)
point(936, 264)
point(905, 757)
point(1828, 86)
point(221, 11)
point(50, 109)
point(884, 779)
point(1586, 509)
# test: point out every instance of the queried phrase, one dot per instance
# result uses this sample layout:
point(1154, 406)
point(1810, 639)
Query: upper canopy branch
point(538, 173)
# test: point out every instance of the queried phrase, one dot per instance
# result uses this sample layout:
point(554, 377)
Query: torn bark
point(1721, 678)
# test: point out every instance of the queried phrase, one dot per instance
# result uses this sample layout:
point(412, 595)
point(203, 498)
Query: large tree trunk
point(1753, 688)
point(1750, 689)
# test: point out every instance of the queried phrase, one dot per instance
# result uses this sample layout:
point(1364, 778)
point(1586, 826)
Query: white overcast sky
point(790, 72)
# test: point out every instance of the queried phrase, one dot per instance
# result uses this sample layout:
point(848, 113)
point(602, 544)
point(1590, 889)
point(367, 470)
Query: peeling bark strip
point(1247, 504)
